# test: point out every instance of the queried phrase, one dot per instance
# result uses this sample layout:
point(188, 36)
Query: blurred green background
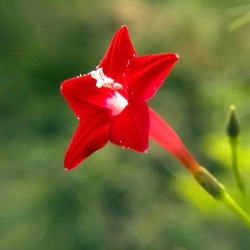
point(120, 199)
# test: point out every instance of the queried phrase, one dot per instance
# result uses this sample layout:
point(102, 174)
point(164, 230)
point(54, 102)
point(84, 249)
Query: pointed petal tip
point(70, 163)
point(64, 86)
point(123, 28)
point(174, 56)
point(68, 167)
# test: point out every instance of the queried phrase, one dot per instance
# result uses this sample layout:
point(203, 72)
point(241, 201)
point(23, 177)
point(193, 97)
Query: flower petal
point(130, 129)
point(147, 73)
point(82, 91)
point(91, 135)
point(118, 57)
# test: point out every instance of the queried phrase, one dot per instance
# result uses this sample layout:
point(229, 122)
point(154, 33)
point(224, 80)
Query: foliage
point(118, 199)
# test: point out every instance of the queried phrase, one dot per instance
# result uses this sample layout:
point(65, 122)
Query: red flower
point(110, 103)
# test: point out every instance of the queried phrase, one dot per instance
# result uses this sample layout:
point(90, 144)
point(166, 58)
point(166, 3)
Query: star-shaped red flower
point(110, 101)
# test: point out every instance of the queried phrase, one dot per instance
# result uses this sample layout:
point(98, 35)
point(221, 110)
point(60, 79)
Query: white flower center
point(104, 81)
point(117, 102)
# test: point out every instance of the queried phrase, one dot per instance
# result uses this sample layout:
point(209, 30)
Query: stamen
point(104, 81)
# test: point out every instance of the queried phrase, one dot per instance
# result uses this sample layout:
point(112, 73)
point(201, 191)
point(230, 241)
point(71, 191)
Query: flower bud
point(232, 124)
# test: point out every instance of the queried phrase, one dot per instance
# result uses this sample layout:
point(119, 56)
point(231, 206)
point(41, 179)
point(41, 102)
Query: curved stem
point(164, 135)
point(236, 209)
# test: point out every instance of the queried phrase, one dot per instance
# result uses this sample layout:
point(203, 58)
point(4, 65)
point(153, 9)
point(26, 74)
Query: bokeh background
point(120, 199)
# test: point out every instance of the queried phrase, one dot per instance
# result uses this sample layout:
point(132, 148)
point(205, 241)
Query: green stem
point(236, 209)
point(237, 176)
